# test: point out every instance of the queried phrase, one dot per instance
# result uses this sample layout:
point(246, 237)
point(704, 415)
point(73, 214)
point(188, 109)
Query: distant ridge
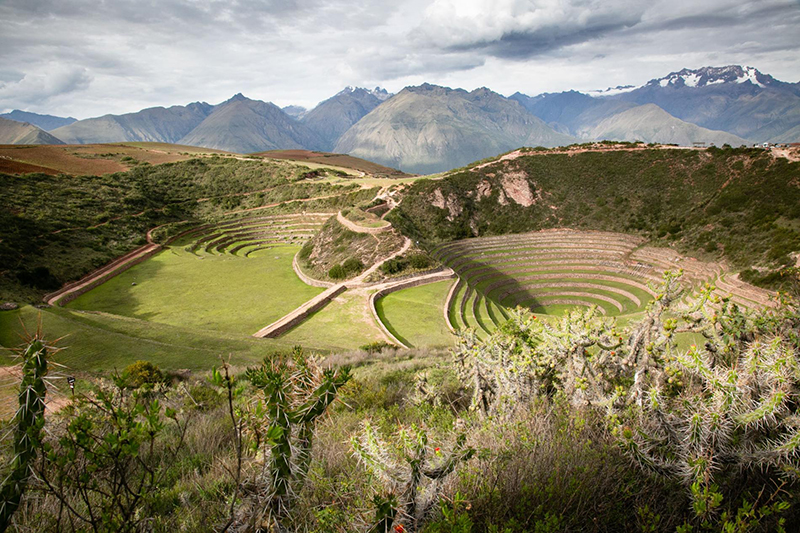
point(429, 128)
point(651, 124)
point(243, 125)
point(155, 124)
point(45, 122)
point(331, 118)
point(13, 132)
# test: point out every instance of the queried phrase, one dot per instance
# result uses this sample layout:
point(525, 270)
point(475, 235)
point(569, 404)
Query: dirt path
point(352, 226)
point(792, 154)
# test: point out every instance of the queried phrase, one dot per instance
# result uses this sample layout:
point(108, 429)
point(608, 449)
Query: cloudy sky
point(90, 57)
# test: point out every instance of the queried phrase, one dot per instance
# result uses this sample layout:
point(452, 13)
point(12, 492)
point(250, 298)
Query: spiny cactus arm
point(307, 414)
point(628, 441)
point(766, 411)
point(373, 451)
point(324, 394)
point(666, 424)
point(27, 434)
point(274, 384)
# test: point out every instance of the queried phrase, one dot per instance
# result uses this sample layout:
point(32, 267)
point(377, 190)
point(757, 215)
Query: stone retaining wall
point(300, 315)
point(406, 284)
point(73, 290)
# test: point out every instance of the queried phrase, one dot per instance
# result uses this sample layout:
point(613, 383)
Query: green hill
point(738, 205)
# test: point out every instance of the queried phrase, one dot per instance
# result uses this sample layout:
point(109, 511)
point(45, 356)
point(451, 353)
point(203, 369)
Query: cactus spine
point(29, 422)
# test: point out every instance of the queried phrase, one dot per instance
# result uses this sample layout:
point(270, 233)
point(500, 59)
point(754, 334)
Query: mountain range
point(430, 128)
point(45, 122)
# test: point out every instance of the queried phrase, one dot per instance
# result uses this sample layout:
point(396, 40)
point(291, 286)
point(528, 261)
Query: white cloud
point(41, 86)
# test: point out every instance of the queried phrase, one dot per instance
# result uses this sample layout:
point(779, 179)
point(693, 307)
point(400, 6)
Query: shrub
point(352, 266)
point(376, 346)
point(141, 373)
point(337, 272)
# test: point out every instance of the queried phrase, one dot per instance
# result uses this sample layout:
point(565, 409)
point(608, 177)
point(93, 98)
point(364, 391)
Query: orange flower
point(399, 529)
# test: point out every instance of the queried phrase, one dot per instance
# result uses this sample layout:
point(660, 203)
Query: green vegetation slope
point(740, 205)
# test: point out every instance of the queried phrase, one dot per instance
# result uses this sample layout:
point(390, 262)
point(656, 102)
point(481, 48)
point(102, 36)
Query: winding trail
point(352, 226)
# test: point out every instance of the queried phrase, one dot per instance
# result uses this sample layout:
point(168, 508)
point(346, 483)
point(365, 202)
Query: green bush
point(141, 373)
point(352, 266)
point(337, 272)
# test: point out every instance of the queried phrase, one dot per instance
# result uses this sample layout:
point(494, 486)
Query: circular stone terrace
point(552, 270)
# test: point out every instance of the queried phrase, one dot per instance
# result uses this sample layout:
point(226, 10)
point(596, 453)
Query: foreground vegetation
point(577, 424)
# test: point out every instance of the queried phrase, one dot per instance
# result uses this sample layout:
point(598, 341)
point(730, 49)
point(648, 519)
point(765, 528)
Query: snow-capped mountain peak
point(611, 91)
point(712, 76)
point(701, 77)
point(377, 92)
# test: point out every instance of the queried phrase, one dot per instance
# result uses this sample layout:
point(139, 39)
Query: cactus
point(413, 473)
point(29, 422)
point(721, 410)
point(526, 358)
point(297, 392)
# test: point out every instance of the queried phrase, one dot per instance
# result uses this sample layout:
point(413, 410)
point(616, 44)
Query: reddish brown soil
point(337, 160)
point(89, 159)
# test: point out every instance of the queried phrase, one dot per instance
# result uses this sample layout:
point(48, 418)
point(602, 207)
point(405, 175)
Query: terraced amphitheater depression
point(275, 253)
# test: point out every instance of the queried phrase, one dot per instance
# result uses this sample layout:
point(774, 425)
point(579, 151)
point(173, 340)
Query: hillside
point(738, 205)
point(92, 159)
point(54, 229)
point(651, 124)
point(46, 122)
point(13, 132)
point(156, 124)
point(429, 129)
point(331, 118)
point(243, 125)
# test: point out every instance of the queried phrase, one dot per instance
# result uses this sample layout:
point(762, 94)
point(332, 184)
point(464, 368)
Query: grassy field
point(415, 315)
point(101, 342)
point(345, 323)
point(222, 293)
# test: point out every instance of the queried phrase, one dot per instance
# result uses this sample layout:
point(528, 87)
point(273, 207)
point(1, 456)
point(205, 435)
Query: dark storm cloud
point(521, 29)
